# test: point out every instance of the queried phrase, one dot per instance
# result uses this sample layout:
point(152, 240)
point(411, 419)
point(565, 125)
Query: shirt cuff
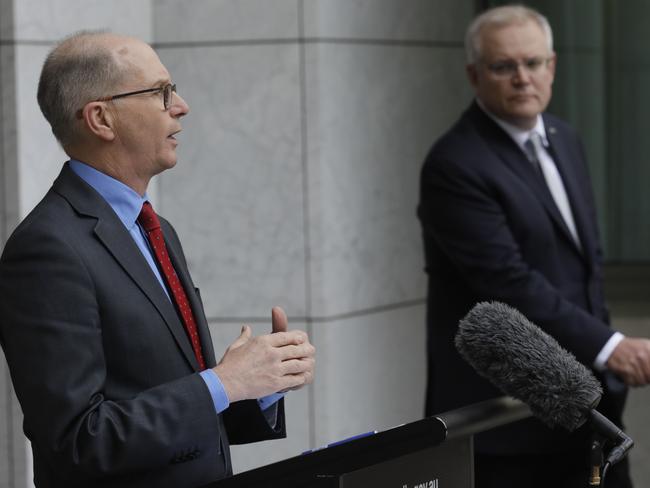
point(600, 364)
point(220, 398)
point(267, 401)
point(217, 391)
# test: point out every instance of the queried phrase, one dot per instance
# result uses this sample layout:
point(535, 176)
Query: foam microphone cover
point(526, 363)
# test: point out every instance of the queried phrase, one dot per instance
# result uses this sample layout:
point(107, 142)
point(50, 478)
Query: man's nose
point(179, 107)
point(521, 75)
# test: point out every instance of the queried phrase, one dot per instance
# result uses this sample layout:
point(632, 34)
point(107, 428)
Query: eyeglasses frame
point(166, 100)
point(514, 66)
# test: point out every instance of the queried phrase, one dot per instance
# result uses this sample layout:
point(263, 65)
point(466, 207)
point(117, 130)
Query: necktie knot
point(148, 218)
point(533, 146)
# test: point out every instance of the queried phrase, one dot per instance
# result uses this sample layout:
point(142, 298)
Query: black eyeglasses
point(166, 91)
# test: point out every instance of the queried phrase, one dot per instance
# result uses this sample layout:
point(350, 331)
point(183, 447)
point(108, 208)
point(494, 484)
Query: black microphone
point(526, 363)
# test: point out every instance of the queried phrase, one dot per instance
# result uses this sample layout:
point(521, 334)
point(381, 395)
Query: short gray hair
point(78, 70)
point(502, 17)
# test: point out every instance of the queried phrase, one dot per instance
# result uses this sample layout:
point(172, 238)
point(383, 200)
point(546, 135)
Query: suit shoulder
point(561, 126)
point(462, 147)
point(51, 220)
point(46, 214)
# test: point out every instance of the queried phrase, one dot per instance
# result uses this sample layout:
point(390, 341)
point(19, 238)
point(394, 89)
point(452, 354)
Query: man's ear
point(99, 120)
point(552, 64)
point(472, 74)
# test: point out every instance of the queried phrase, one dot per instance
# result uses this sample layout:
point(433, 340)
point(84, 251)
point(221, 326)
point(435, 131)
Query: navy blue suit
point(492, 232)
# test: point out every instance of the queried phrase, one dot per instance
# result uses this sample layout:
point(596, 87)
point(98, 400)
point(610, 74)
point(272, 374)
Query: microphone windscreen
point(526, 363)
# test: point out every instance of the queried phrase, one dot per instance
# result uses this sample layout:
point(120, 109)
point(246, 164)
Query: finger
point(308, 377)
point(279, 322)
point(644, 376)
point(297, 366)
point(639, 369)
point(303, 379)
point(244, 336)
point(294, 382)
point(637, 375)
point(643, 366)
point(296, 351)
point(280, 339)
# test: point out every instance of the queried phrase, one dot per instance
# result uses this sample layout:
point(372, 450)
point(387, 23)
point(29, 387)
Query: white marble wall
point(296, 183)
point(241, 171)
point(300, 161)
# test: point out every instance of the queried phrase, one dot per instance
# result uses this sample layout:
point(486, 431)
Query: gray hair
point(78, 70)
point(502, 17)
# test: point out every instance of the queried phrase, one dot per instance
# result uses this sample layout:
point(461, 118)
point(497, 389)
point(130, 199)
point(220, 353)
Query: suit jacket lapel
point(119, 243)
point(566, 165)
point(507, 150)
point(192, 296)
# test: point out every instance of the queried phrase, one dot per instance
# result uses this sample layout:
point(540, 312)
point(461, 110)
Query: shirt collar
point(124, 201)
point(520, 136)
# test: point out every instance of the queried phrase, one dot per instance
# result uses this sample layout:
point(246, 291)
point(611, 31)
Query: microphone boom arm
point(607, 428)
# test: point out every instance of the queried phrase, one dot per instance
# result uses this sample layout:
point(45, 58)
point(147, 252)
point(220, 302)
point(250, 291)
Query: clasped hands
point(630, 360)
point(254, 367)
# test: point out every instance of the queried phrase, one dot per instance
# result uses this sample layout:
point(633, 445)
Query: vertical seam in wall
point(4, 115)
point(3, 159)
point(158, 183)
point(613, 226)
point(9, 420)
point(3, 173)
point(309, 324)
point(11, 458)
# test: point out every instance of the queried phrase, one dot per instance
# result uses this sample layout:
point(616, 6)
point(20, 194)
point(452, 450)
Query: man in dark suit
point(104, 332)
point(507, 214)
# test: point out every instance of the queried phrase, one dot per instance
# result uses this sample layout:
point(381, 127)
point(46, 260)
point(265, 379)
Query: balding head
point(83, 67)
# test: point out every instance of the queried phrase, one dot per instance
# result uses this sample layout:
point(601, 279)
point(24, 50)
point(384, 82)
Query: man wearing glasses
point(507, 214)
point(103, 330)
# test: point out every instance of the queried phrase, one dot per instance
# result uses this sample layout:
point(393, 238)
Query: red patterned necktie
point(149, 221)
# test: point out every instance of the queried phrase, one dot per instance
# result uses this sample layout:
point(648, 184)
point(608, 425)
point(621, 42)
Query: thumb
point(278, 320)
point(246, 333)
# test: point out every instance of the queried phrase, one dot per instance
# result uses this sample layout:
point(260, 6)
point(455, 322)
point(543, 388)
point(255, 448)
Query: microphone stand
point(595, 463)
point(620, 441)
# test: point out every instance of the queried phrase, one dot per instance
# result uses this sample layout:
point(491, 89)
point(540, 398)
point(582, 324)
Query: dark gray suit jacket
point(492, 232)
point(101, 364)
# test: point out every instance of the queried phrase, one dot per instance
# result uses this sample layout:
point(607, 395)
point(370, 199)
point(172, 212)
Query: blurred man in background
point(507, 214)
